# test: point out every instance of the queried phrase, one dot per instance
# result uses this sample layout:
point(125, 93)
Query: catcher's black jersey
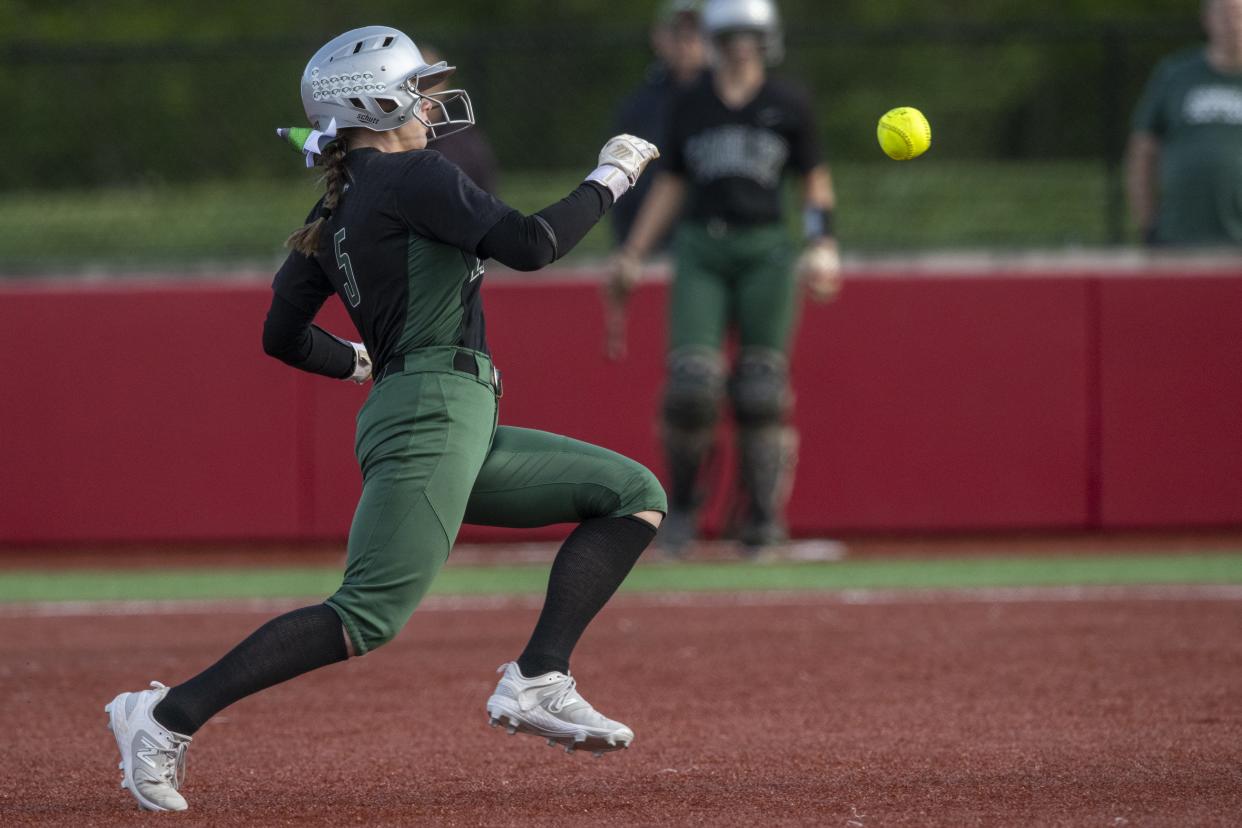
point(734, 160)
point(400, 252)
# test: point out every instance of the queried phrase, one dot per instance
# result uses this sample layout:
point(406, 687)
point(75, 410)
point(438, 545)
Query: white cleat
point(549, 706)
point(152, 757)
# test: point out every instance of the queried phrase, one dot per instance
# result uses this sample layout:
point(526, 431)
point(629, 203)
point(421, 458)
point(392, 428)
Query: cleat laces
point(172, 763)
point(568, 694)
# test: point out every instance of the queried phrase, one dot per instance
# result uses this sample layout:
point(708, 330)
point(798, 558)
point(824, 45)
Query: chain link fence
point(136, 157)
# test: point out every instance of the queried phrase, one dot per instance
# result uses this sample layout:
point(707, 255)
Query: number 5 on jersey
point(342, 261)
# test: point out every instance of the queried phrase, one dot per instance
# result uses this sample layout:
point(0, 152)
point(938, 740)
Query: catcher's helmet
point(721, 17)
point(375, 77)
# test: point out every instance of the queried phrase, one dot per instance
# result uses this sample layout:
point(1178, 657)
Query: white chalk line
point(765, 598)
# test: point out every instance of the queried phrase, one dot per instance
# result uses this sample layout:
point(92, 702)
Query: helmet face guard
point(771, 44)
point(722, 18)
point(450, 110)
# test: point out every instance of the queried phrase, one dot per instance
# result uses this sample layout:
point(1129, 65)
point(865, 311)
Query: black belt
point(463, 361)
point(719, 228)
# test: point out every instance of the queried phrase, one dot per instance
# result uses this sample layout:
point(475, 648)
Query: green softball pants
point(739, 277)
point(432, 458)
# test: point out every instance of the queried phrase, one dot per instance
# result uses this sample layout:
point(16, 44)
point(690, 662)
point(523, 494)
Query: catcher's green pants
point(732, 276)
point(432, 458)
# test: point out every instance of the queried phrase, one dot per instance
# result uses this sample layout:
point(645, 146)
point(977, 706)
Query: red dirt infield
point(931, 712)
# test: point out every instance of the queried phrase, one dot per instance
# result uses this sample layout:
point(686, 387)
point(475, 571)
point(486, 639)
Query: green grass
point(228, 583)
point(884, 207)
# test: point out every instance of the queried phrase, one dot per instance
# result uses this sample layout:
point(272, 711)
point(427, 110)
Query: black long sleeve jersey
point(404, 249)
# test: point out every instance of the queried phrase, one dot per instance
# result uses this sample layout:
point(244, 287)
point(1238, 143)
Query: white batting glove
point(362, 363)
point(621, 161)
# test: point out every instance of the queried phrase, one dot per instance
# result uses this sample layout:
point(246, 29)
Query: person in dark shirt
point(730, 141)
point(1184, 160)
point(681, 56)
point(470, 150)
point(400, 236)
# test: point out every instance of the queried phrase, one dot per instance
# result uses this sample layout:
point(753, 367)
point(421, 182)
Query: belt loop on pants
point(445, 359)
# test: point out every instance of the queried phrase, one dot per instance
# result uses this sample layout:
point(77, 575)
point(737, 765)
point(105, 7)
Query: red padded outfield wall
point(1171, 401)
point(949, 400)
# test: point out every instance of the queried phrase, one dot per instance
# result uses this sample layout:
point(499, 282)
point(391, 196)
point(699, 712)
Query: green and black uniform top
point(404, 250)
point(1195, 112)
point(734, 160)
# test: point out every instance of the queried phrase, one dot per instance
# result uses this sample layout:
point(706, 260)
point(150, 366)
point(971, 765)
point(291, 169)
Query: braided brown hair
point(305, 239)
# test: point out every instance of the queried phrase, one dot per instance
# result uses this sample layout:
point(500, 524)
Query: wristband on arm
point(362, 360)
point(611, 179)
point(362, 363)
point(817, 223)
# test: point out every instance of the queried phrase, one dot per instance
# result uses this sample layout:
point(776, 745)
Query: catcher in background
point(730, 140)
point(401, 236)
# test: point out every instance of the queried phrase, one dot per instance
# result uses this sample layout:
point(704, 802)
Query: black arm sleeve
point(436, 199)
point(289, 336)
point(531, 242)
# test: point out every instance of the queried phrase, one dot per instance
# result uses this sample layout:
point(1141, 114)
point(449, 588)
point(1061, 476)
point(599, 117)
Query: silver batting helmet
point(720, 17)
point(373, 77)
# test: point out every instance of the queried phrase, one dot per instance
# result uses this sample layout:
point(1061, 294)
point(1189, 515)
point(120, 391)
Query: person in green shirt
point(1184, 161)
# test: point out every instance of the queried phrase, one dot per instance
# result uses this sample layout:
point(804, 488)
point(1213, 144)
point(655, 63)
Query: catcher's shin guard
point(767, 457)
point(686, 454)
point(690, 411)
point(767, 447)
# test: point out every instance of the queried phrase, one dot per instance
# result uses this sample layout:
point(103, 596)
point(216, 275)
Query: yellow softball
point(904, 133)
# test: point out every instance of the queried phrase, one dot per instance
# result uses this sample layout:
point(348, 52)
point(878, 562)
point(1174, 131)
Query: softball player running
point(730, 140)
point(400, 236)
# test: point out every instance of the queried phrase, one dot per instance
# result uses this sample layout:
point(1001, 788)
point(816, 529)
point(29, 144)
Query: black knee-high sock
point(589, 567)
point(287, 646)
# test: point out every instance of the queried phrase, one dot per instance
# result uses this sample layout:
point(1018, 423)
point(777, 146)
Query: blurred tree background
point(141, 132)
